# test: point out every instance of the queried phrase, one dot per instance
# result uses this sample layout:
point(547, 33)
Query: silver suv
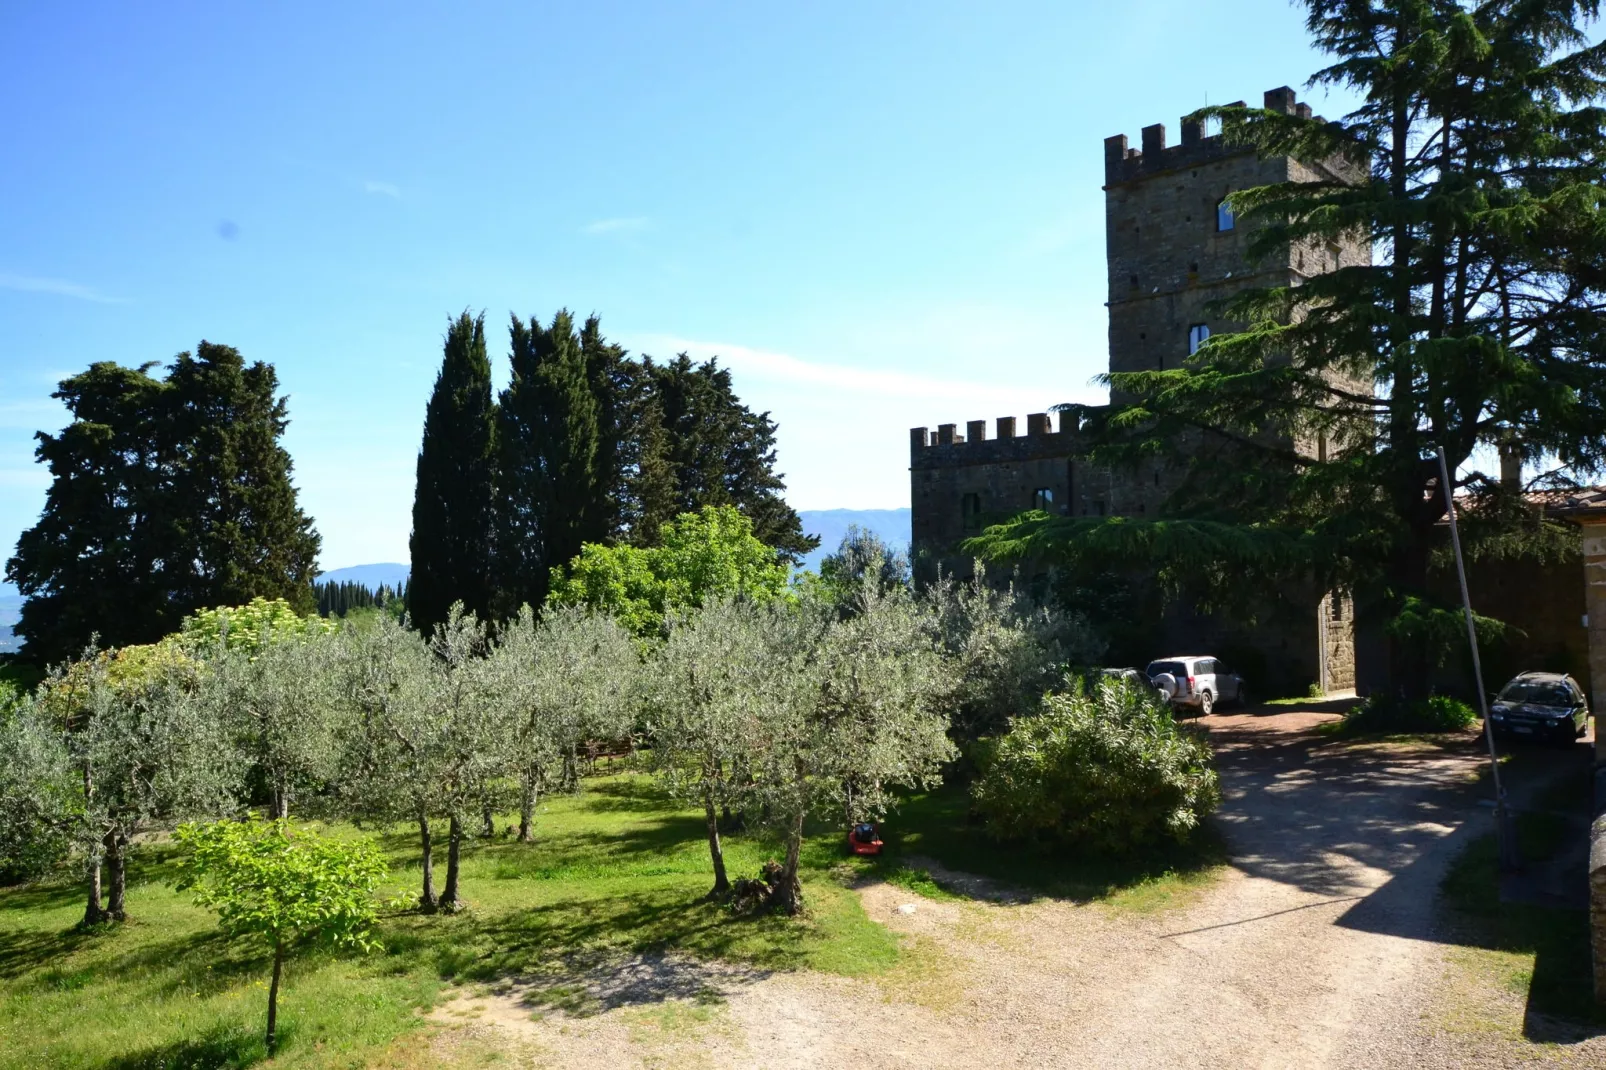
point(1196, 682)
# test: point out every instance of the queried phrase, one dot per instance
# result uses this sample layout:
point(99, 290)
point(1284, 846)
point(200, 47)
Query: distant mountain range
point(892, 525)
point(389, 573)
point(10, 613)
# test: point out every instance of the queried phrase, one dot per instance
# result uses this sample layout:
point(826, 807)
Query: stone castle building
point(1173, 249)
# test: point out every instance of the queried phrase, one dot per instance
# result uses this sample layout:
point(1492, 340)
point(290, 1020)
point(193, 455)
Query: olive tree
point(844, 711)
point(392, 758)
point(278, 696)
point(471, 737)
point(706, 684)
point(40, 803)
point(145, 746)
point(566, 678)
point(1005, 648)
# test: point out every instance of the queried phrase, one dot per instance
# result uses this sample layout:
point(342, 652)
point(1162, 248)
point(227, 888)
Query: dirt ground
point(1320, 946)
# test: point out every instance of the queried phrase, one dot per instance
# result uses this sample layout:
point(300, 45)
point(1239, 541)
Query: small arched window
point(1225, 219)
point(1196, 337)
point(1043, 498)
point(970, 511)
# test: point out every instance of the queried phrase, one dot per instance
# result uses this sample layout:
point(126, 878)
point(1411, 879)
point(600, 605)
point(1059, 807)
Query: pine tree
point(721, 453)
point(550, 498)
point(1481, 159)
point(452, 537)
point(168, 496)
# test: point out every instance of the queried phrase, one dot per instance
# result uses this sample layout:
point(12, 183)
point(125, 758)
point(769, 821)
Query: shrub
point(1110, 771)
point(1388, 716)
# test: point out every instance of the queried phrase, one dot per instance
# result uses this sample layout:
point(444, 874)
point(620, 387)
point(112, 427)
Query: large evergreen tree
point(551, 496)
point(167, 496)
point(721, 453)
point(251, 540)
point(1480, 155)
point(452, 538)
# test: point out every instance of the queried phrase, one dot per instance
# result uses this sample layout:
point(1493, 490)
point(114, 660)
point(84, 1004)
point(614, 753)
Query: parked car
point(1195, 682)
point(1130, 677)
point(1540, 705)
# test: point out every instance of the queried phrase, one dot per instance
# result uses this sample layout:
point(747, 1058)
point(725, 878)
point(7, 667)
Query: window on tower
point(1043, 498)
point(970, 511)
point(1196, 337)
point(1225, 220)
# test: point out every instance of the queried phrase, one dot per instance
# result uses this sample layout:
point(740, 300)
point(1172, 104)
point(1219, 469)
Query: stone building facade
point(1173, 248)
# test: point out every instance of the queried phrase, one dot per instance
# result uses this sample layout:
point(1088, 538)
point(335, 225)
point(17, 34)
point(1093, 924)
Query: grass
point(616, 870)
point(939, 826)
point(1537, 952)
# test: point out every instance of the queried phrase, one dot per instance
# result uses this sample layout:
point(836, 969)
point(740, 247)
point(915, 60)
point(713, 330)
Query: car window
point(1204, 666)
point(1538, 692)
point(1175, 668)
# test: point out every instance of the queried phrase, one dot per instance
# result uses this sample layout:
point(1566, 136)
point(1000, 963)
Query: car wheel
point(1207, 703)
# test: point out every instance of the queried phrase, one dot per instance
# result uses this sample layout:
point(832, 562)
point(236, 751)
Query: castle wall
point(1169, 257)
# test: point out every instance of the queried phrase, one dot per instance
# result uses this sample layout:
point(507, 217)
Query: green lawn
point(1541, 953)
point(616, 869)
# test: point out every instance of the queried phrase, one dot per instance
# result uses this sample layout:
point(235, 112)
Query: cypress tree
point(550, 498)
point(452, 537)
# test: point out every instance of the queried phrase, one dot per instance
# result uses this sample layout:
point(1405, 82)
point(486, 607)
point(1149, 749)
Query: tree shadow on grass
point(221, 1048)
point(28, 950)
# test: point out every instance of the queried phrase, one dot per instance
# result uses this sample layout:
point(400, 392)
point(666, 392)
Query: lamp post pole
point(1505, 830)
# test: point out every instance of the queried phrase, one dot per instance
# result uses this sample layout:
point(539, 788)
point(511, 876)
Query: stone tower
point(1173, 249)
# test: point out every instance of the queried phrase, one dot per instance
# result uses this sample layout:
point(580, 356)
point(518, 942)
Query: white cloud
point(59, 287)
point(876, 382)
point(843, 430)
point(383, 189)
point(625, 225)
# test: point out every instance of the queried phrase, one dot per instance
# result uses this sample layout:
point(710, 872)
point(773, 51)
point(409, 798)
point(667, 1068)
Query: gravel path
point(1315, 949)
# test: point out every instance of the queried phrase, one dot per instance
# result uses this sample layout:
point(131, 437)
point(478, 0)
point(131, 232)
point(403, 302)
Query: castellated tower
point(1173, 249)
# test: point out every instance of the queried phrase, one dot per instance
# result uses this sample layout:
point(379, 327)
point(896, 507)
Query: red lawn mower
point(864, 839)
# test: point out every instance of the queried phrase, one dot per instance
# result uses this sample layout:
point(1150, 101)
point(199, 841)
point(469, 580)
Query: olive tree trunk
point(722, 883)
point(787, 895)
point(426, 899)
point(529, 795)
point(450, 902)
point(94, 914)
point(117, 864)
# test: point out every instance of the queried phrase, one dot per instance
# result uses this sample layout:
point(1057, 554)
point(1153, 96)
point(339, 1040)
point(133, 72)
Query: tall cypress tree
point(551, 497)
point(452, 538)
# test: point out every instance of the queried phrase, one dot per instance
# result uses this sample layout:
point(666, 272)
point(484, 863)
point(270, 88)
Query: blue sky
point(880, 215)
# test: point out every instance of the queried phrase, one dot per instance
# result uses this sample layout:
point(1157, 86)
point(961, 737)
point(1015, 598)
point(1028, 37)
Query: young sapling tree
point(285, 886)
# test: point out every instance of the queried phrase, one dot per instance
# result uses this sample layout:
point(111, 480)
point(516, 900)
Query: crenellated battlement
point(945, 446)
point(1123, 164)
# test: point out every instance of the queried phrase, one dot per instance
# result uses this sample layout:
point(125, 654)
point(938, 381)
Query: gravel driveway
point(1315, 949)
